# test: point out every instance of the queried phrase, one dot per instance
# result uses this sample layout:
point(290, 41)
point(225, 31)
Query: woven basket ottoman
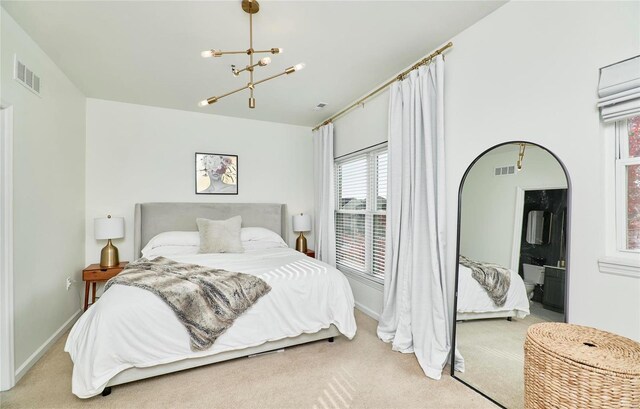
point(571, 366)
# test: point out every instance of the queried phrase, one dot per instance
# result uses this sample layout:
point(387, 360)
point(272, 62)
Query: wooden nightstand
point(94, 274)
point(310, 253)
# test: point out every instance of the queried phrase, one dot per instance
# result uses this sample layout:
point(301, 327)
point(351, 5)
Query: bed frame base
point(469, 316)
point(135, 374)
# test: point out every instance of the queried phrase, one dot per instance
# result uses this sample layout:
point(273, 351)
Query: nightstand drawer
point(100, 275)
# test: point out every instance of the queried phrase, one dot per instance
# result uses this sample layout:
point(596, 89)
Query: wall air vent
point(504, 170)
point(25, 76)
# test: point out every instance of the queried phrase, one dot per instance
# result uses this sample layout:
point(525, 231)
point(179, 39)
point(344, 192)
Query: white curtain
point(415, 317)
point(324, 194)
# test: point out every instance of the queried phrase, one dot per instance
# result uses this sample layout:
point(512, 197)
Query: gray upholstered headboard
point(154, 218)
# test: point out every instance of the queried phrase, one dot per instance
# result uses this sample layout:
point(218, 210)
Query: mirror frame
point(567, 253)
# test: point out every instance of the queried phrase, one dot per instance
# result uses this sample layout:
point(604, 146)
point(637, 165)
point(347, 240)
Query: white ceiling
point(148, 52)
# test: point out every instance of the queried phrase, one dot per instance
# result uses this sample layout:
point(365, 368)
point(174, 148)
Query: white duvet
point(472, 298)
point(130, 327)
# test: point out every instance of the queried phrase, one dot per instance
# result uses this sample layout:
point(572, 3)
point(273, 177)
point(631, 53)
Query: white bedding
point(472, 298)
point(130, 327)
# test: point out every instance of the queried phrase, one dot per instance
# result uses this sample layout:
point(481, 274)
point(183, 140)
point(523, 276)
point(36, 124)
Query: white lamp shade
point(108, 228)
point(302, 222)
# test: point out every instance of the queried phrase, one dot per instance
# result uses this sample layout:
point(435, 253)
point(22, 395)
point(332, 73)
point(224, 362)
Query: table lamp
point(301, 223)
point(107, 228)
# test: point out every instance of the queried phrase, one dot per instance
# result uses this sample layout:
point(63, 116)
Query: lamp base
point(301, 243)
point(109, 256)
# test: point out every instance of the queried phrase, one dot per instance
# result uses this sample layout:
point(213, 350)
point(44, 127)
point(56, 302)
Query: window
point(361, 194)
point(628, 184)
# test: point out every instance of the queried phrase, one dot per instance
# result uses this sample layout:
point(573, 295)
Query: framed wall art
point(216, 174)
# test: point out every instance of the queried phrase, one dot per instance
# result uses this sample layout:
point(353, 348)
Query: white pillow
point(220, 236)
point(184, 242)
point(174, 238)
point(258, 234)
point(259, 238)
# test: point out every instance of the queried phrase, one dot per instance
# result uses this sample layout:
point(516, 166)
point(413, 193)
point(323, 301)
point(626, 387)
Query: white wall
point(530, 71)
point(489, 202)
point(361, 127)
point(48, 189)
point(139, 154)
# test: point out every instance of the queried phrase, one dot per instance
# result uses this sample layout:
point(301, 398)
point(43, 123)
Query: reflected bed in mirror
point(512, 231)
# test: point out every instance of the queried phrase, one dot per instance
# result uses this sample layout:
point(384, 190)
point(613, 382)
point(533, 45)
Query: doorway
point(522, 208)
point(7, 364)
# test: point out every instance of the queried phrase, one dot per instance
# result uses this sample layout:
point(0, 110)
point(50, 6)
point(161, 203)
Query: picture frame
point(216, 174)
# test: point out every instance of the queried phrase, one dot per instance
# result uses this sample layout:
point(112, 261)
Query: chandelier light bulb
point(203, 103)
point(277, 50)
point(264, 61)
point(207, 54)
point(298, 67)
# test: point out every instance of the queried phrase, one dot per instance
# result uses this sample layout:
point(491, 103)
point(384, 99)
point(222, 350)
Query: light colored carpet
point(493, 351)
point(363, 373)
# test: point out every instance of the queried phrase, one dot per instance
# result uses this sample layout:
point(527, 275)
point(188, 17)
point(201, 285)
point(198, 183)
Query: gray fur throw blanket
point(206, 300)
point(493, 278)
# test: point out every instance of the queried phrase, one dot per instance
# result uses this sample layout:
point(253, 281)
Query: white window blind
point(361, 193)
point(619, 90)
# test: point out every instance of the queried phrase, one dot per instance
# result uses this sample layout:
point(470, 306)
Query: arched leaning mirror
point(512, 264)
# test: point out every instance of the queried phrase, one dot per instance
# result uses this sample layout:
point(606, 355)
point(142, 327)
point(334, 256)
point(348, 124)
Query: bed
point(130, 334)
point(474, 302)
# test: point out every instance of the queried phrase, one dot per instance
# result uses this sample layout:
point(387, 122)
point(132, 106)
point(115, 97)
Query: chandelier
point(251, 7)
point(523, 146)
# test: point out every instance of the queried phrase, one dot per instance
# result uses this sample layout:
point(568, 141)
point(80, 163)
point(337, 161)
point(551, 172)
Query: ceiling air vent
point(25, 76)
point(504, 170)
point(320, 106)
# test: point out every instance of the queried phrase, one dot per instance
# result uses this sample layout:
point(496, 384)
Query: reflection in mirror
point(538, 226)
point(512, 267)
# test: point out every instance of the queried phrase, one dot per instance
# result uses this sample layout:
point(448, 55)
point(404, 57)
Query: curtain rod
point(426, 60)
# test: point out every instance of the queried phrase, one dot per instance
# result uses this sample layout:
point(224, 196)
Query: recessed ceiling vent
point(320, 106)
point(25, 76)
point(504, 170)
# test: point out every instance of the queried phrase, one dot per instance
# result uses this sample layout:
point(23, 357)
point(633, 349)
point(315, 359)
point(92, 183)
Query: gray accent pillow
point(220, 236)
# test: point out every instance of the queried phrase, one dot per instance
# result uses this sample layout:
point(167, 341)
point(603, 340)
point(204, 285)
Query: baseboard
point(368, 311)
point(24, 368)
